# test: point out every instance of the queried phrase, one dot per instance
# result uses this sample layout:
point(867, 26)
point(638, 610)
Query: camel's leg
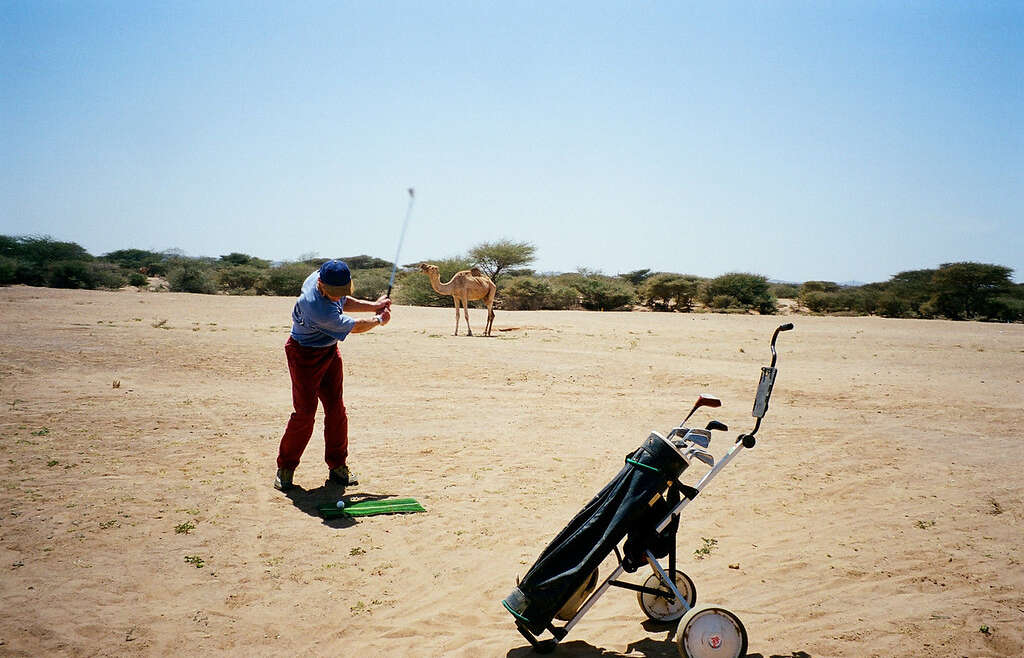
point(490, 312)
point(456, 315)
point(465, 309)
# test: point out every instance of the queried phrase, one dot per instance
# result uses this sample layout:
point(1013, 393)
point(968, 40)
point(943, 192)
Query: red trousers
point(316, 374)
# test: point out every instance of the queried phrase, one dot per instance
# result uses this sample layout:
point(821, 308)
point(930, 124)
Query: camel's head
point(428, 268)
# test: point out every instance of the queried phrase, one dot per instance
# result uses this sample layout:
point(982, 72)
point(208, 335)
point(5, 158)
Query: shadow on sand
point(309, 501)
point(645, 648)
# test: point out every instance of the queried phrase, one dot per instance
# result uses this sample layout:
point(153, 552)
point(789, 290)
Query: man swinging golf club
point(319, 320)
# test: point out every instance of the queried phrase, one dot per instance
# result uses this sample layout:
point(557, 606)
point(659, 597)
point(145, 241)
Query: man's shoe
point(283, 481)
point(343, 476)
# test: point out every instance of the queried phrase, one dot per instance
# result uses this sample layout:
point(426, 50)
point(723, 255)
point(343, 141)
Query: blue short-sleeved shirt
point(316, 320)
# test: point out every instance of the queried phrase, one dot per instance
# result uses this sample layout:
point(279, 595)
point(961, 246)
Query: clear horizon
point(796, 141)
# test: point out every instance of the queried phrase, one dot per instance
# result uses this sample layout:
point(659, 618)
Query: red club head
point(707, 401)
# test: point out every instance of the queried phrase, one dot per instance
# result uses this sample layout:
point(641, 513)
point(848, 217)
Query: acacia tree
point(966, 290)
point(496, 257)
point(664, 290)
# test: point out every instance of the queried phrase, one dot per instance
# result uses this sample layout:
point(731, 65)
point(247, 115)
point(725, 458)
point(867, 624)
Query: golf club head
point(699, 437)
point(716, 425)
point(703, 400)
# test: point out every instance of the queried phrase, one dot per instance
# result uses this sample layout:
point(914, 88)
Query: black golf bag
point(631, 504)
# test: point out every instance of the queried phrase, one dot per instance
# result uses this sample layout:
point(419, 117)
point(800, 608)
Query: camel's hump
point(475, 271)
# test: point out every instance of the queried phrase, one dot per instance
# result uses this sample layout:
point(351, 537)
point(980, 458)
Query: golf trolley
point(641, 505)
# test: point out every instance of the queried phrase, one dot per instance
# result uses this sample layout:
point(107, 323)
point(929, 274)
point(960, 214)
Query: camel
point(464, 287)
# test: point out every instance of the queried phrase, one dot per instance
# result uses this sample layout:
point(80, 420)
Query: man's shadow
point(310, 500)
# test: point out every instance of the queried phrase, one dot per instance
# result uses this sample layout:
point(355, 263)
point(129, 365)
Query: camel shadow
point(310, 500)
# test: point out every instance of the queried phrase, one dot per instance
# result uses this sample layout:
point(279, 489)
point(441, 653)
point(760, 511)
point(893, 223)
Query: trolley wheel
point(709, 631)
point(667, 608)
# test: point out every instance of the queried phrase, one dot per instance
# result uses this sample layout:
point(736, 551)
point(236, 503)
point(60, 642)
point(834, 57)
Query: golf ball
point(341, 504)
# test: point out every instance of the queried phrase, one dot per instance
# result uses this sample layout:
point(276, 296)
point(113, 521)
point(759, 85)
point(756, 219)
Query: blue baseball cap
point(335, 273)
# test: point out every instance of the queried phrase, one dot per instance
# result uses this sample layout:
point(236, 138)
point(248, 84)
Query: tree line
point(957, 291)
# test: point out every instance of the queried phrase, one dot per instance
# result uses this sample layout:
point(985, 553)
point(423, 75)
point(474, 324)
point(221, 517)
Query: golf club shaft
point(401, 238)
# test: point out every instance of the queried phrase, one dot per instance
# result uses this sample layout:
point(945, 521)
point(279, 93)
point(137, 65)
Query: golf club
point(401, 238)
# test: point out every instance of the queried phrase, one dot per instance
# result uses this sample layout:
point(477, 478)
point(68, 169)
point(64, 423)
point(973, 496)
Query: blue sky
point(845, 141)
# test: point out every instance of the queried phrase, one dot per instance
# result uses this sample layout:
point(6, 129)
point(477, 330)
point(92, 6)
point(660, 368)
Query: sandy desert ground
point(879, 515)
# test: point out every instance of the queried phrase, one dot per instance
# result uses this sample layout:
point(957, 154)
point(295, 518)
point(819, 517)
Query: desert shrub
point(750, 291)
point(286, 280)
point(364, 262)
point(83, 274)
point(29, 273)
point(415, 289)
point(139, 260)
point(724, 301)
point(108, 275)
point(137, 279)
point(42, 250)
point(235, 258)
point(8, 269)
point(240, 278)
point(890, 306)
point(370, 283)
point(192, 276)
point(819, 286)
point(597, 292)
point(636, 278)
point(784, 290)
point(43, 261)
point(664, 291)
point(816, 301)
point(530, 293)
point(1008, 308)
point(69, 274)
point(966, 290)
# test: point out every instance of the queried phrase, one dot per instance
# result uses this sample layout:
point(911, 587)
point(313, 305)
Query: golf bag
point(630, 504)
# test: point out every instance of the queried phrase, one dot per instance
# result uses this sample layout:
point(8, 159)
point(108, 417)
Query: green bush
point(139, 260)
point(240, 278)
point(724, 301)
point(819, 286)
point(138, 279)
point(83, 274)
point(42, 250)
point(235, 258)
point(365, 262)
point(370, 283)
point(666, 291)
point(784, 290)
point(529, 293)
point(192, 276)
point(1008, 308)
point(286, 280)
point(598, 292)
point(749, 290)
point(8, 270)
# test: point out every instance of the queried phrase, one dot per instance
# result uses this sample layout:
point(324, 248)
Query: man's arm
point(362, 326)
point(364, 306)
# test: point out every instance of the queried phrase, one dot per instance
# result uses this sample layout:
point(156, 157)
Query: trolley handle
point(764, 389)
